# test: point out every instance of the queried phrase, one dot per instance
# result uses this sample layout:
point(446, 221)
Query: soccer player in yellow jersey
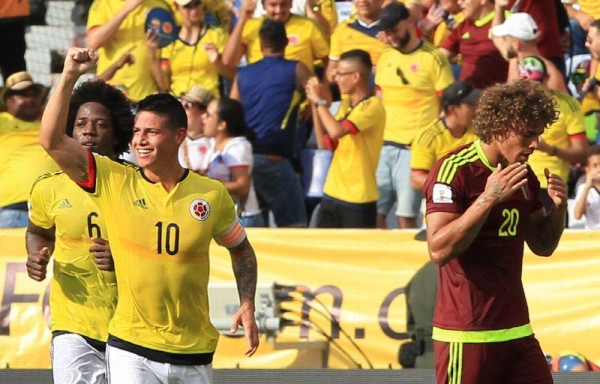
point(65, 222)
point(450, 131)
point(306, 41)
point(565, 141)
point(355, 135)
point(409, 77)
point(161, 222)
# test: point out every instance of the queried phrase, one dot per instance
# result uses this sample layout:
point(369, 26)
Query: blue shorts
point(393, 183)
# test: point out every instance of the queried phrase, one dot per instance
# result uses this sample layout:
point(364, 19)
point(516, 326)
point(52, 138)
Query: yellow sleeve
point(318, 42)
point(39, 209)
point(99, 13)
point(422, 156)
point(443, 75)
point(365, 116)
point(574, 119)
point(336, 43)
point(228, 232)
point(329, 12)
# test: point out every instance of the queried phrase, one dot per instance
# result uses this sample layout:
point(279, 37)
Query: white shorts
point(128, 368)
point(75, 361)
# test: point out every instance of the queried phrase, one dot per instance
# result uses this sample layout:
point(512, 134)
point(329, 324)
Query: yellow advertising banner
point(341, 293)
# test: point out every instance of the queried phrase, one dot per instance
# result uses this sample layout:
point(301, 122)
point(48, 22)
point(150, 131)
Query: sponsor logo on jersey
point(65, 204)
point(140, 203)
point(442, 193)
point(200, 209)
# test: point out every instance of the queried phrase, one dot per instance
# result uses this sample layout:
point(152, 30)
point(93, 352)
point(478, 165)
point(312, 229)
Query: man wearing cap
point(196, 144)
point(22, 159)
point(564, 142)
point(116, 27)
point(516, 39)
point(409, 76)
point(482, 64)
point(450, 131)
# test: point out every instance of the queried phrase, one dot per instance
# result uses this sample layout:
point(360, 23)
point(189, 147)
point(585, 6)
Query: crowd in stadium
point(308, 121)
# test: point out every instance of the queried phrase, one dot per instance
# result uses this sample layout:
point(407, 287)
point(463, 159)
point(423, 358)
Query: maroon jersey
point(481, 289)
point(482, 64)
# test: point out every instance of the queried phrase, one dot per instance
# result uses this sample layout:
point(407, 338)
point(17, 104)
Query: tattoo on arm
point(244, 267)
point(83, 167)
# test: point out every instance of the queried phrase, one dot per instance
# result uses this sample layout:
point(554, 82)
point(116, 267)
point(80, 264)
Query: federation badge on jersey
point(293, 40)
point(442, 194)
point(200, 209)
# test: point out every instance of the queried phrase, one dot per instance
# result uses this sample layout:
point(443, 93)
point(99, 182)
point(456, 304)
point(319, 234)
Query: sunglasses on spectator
point(192, 4)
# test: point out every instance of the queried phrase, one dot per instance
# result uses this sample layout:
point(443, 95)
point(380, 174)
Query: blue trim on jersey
point(373, 31)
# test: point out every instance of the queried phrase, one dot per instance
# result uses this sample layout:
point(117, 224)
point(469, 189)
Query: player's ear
point(180, 135)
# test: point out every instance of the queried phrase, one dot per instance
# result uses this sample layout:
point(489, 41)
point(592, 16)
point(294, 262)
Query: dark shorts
point(519, 361)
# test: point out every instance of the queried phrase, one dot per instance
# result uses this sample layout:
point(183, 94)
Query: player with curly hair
point(483, 204)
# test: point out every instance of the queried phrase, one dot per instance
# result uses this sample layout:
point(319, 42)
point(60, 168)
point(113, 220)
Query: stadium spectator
point(65, 223)
point(564, 143)
point(483, 204)
point(194, 58)
point(516, 39)
point(409, 76)
point(116, 27)
point(568, 361)
point(322, 12)
point(306, 41)
point(230, 156)
point(22, 160)
point(166, 218)
point(547, 16)
point(592, 42)
point(269, 90)
point(582, 14)
point(482, 65)
point(359, 32)
point(587, 198)
point(196, 145)
point(355, 135)
point(450, 131)
point(13, 20)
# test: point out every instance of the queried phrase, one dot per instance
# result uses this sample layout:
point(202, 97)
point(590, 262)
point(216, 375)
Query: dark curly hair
point(518, 107)
point(118, 104)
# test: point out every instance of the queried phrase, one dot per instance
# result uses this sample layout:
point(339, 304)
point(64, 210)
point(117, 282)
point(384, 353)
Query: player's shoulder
point(50, 178)
point(565, 101)
point(456, 161)
point(431, 133)
point(433, 52)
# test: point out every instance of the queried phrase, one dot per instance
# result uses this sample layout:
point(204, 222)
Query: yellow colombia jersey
point(82, 298)
point(433, 143)
point(306, 41)
point(135, 80)
point(409, 86)
point(218, 10)
point(569, 123)
point(160, 244)
point(22, 158)
point(351, 176)
point(190, 65)
point(346, 37)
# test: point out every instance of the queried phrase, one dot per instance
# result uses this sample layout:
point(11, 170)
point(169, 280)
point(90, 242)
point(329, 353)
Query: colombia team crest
point(200, 209)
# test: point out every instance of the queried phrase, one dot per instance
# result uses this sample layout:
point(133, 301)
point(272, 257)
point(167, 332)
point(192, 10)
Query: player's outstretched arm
point(243, 261)
point(40, 244)
point(450, 234)
point(67, 152)
point(545, 229)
